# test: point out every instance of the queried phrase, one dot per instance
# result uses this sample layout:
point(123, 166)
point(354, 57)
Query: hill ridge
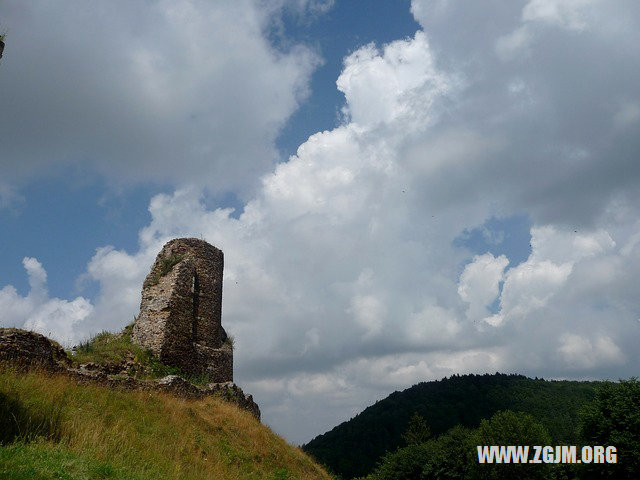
point(352, 448)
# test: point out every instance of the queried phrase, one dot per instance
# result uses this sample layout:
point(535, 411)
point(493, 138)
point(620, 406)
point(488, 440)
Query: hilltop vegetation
point(612, 420)
point(355, 447)
point(117, 352)
point(452, 456)
point(51, 427)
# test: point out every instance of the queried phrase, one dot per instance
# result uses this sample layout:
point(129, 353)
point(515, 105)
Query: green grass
point(166, 265)
point(59, 429)
point(108, 348)
point(44, 461)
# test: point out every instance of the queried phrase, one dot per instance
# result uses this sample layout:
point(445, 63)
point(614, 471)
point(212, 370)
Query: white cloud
point(328, 398)
point(479, 283)
point(569, 14)
point(36, 311)
point(432, 326)
point(172, 92)
point(578, 352)
point(513, 44)
point(384, 86)
point(573, 15)
point(37, 277)
point(120, 277)
point(550, 243)
point(531, 285)
point(368, 312)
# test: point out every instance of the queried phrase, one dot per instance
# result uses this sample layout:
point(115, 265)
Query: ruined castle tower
point(181, 310)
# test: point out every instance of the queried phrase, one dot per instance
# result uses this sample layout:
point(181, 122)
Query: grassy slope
point(50, 427)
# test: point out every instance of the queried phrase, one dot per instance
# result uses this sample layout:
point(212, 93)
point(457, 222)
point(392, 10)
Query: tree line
point(454, 408)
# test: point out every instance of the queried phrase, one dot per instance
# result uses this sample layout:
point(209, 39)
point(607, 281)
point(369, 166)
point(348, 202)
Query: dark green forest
point(555, 409)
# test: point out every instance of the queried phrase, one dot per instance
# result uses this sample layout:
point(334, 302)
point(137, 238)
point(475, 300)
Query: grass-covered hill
point(51, 427)
point(353, 448)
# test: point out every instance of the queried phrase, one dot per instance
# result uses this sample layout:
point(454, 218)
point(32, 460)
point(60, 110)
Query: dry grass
point(152, 435)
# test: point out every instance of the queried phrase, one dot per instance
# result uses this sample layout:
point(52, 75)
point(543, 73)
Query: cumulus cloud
point(532, 284)
point(401, 81)
point(529, 287)
point(479, 283)
point(565, 13)
point(573, 15)
point(432, 326)
point(576, 351)
point(37, 311)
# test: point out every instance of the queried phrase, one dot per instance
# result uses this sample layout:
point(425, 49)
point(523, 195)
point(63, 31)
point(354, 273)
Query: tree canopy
point(613, 418)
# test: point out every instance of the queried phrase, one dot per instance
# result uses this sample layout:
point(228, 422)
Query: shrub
point(167, 263)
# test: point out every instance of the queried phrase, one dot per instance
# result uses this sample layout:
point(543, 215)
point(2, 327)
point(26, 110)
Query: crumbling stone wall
point(181, 310)
point(30, 349)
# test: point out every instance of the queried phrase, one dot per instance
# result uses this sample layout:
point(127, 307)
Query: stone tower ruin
point(181, 310)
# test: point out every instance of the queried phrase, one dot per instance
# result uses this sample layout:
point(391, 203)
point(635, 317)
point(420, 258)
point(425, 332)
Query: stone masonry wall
point(30, 349)
point(181, 309)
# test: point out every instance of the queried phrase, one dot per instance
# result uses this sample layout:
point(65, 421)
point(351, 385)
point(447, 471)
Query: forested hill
point(354, 447)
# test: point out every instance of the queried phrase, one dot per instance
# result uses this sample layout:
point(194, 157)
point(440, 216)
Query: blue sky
point(403, 190)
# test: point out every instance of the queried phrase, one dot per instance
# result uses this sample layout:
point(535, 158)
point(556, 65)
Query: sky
point(402, 190)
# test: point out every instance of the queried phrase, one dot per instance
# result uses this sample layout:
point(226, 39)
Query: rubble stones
point(228, 391)
point(171, 384)
point(29, 349)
